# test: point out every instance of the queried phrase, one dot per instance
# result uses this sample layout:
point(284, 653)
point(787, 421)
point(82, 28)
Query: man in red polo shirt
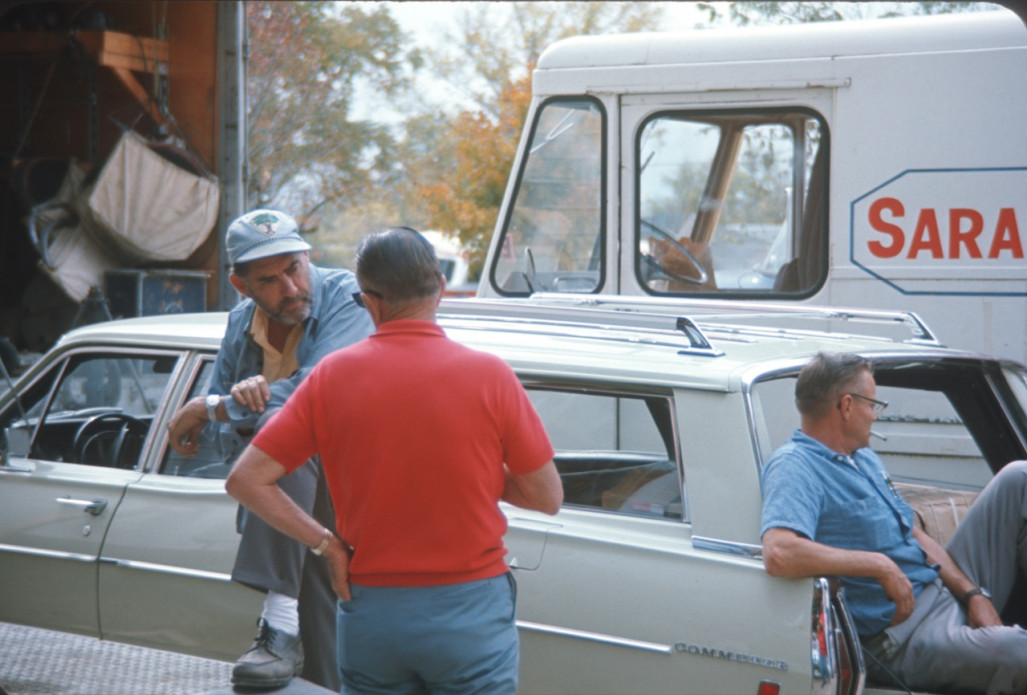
point(427, 438)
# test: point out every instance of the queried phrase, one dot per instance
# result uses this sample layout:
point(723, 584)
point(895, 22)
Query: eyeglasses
point(878, 406)
point(358, 297)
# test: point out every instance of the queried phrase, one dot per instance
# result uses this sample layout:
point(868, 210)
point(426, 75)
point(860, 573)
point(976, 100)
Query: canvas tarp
point(143, 208)
point(68, 255)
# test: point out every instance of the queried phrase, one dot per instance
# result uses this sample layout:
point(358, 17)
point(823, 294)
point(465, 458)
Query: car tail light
point(835, 656)
point(768, 688)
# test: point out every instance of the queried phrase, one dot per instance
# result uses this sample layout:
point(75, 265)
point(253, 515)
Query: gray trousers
point(934, 649)
point(270, 561)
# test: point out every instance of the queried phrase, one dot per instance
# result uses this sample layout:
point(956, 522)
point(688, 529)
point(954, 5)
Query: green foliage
point(304, 66)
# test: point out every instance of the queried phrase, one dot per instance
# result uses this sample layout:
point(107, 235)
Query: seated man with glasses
point(924, 613)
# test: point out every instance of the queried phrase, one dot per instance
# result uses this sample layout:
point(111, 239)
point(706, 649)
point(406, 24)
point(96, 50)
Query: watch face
point(212, 406)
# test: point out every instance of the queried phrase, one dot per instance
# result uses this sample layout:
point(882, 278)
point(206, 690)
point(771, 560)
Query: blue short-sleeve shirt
point(845, 502)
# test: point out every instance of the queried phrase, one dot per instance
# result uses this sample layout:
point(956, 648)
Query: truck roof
point(821, 40)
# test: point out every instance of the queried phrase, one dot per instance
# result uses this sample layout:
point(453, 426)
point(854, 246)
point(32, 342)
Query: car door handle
point(94, 507)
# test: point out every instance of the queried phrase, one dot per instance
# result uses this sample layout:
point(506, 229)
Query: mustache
point(304, 297)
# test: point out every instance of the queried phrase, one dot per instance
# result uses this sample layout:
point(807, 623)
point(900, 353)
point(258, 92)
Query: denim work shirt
point(335, 321)
point(845, 502)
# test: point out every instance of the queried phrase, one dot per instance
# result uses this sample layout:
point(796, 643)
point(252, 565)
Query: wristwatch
point(976, 591)
point(212, 403)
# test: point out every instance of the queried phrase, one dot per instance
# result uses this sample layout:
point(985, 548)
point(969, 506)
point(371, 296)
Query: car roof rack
point(600, 324)
point(694, 318)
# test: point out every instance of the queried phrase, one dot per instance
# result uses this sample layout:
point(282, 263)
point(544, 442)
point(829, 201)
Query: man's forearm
point(540, 490)
point(254, 483)
point(953, 577)
point(786, 554)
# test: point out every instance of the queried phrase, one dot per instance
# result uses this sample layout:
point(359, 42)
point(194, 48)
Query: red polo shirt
point(413, 430)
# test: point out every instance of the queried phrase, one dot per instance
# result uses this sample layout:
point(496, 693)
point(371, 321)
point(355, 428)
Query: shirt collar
point(410, 326)
point(824, 450)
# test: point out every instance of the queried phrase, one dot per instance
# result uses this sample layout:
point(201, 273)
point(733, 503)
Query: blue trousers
point(453, 639)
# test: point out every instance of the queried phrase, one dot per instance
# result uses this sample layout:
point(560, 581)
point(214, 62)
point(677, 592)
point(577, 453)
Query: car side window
point(614, 452)
point(934, 430)
point(211, 461)
point(90, 408)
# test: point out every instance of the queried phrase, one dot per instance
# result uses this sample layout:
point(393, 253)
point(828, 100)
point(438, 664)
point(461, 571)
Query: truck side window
point(732, 203)
point(552, 238)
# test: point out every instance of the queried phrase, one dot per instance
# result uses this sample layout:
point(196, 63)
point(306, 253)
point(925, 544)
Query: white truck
point(880, 164)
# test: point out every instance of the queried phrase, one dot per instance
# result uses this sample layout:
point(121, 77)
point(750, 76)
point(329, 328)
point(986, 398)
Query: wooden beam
point(112, 49)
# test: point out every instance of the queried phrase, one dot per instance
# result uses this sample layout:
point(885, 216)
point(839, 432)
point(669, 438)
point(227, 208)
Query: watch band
point(976, 591)
point(325, 541)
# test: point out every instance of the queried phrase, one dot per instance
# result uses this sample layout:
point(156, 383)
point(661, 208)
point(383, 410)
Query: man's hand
point(252, 393)
point(787, 554)
point(186, 425)
point(337, 557)
point(899, 589)
point(980, 612)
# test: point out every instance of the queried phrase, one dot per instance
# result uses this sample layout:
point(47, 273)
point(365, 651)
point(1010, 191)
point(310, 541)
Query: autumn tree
point(462, 175)
point(305, 64)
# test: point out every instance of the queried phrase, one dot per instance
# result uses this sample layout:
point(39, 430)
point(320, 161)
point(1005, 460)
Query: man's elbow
point(772, 563)
point(239, 485)
point(775, 557)
point(553, 502)
point(233, 485)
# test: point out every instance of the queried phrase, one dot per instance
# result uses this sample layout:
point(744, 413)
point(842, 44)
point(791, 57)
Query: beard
point(292, 310)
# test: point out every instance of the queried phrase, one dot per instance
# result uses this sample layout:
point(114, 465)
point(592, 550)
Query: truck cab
point(878, 163)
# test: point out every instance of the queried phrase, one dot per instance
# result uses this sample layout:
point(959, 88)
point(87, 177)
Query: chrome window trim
point(716, 545)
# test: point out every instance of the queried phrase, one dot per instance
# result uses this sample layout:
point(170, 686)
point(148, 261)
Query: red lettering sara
point(966, 226)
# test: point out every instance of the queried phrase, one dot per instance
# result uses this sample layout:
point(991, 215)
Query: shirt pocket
point(861, 524)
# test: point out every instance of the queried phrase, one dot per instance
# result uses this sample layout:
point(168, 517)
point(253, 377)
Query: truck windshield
point(731, 202)
point(553, 236)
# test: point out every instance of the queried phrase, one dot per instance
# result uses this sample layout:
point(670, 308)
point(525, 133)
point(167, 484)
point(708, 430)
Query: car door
point(75, 438)
point(624, 598)
point(165, 569)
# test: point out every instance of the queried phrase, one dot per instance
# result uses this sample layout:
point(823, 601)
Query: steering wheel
point(110, 440)
point(703, 275)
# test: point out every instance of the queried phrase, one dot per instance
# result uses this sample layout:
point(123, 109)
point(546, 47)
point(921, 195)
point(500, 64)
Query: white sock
point(282, 613)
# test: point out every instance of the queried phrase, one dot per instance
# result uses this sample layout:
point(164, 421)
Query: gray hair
point(826, 378)
point(399, 264)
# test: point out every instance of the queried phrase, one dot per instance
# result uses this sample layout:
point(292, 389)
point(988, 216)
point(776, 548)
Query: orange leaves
point(484, 148)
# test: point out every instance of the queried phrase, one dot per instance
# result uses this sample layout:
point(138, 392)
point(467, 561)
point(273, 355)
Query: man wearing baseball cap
point(292, 314)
